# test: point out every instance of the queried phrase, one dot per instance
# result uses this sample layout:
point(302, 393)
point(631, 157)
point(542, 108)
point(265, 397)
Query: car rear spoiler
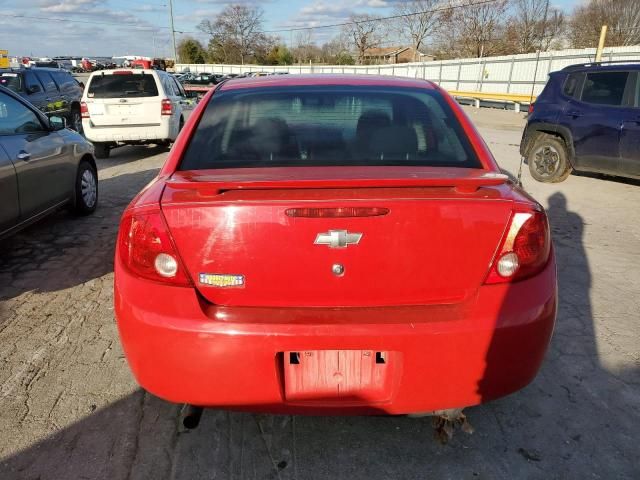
point(334, 177)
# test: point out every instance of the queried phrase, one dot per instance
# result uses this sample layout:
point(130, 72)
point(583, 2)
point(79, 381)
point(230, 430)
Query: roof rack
point(599, 64)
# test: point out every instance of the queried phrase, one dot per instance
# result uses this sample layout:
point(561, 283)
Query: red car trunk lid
point(434, 244)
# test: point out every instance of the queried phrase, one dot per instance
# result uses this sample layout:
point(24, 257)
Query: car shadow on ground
point(64, 250)
point(131, 153)
point(576, 420)
point(609, 178)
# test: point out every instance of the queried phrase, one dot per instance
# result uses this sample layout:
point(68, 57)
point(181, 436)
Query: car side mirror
point(34, 89)
point(57, 123)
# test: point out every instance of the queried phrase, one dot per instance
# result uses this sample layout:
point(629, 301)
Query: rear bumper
point(132, 133)
point(186, 351)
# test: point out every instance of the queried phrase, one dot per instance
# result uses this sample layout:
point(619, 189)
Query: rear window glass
point(328, 126)
point(116, 86)
point(604, 88)
point(12, 81)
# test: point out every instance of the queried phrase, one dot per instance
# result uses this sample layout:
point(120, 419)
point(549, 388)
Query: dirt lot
point(71, 410)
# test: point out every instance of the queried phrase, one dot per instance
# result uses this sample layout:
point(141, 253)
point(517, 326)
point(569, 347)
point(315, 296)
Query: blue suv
point(587, 118)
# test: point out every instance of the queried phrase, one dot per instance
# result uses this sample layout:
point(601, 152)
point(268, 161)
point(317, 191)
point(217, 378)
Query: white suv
point(133, 106)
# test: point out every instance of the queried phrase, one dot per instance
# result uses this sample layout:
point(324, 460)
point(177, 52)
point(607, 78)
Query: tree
point(473, 30)
point(419, 20)
point(533, 25)
point(235, 35)
point(336, 52)
point(305, 49)
point(279, 55)
point(191, 50)
point(365, 32)
point(622, 18)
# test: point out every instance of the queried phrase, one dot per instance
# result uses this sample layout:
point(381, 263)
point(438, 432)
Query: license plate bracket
point(354, 376)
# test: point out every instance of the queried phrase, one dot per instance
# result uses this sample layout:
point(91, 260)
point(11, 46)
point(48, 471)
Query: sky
point(45, 28)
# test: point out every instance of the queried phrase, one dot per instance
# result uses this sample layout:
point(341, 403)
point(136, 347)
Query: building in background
point(391, 55)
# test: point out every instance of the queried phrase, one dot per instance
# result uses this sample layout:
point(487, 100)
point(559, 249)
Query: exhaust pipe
point(191, 416)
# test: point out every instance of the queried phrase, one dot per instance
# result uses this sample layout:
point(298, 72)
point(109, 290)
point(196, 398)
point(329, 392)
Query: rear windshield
point(116, 86)
point(328, 126)
point(11, 81)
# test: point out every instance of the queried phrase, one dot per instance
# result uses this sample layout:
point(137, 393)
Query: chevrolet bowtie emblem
point(337, 238)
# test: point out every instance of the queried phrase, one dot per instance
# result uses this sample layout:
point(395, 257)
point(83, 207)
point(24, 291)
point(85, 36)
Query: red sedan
point(333, 244)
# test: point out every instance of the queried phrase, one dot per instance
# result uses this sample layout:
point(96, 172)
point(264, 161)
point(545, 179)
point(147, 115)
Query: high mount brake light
point(524, 250)
point(147, 250)
point(341, 212)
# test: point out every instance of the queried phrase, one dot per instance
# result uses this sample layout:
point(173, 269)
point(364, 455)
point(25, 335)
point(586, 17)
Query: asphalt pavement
point(70, 409)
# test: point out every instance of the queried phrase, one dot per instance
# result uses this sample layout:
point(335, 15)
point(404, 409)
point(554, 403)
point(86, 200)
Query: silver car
point(43, 166)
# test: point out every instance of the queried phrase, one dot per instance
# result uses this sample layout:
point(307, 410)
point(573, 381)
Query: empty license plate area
point(353, 376)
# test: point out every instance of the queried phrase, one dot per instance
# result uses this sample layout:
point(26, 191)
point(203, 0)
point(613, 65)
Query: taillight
point(147, 250)
point(84, 110)
point(167, 107)
point(524, 250)
point(530, 108)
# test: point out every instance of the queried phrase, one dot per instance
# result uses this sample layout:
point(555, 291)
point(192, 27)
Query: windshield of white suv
point(127, 84)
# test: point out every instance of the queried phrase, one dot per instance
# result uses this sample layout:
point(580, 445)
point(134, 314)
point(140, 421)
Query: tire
point(548, 160)
point(86, 190)
point(75, 120)
point(102, 150)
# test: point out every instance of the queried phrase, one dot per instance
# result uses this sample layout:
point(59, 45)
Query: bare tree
point(533, 25)
point(622, 18)
point(236, 33)
point(472, 30)
point(419, 20)
point(305, 49)
point(365, 32)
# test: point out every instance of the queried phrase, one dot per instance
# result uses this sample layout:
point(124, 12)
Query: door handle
point(574, 113)
point(25, 156)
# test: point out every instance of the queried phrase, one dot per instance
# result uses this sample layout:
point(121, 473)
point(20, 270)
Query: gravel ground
point(71, 410)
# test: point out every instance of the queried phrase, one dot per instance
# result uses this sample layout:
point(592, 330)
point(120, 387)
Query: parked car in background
point(203, 79)
point(133, 107)
point(333, 244)
point(587, 119)
point(43, 165)
point(54, 91)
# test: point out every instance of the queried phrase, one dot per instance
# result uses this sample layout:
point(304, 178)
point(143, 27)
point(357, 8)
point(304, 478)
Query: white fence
point(506, 74)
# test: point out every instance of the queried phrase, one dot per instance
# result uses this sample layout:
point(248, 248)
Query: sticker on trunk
point(221, 280)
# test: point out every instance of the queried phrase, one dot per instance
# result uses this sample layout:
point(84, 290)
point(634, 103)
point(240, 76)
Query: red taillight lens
point(122, 72)
point(524, 250)
point(167, 108)
point(146, 249)
point(84, 110)
point(530, 108)
point(341, 212)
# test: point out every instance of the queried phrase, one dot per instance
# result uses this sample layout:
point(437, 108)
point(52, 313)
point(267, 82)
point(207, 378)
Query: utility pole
point(603, 35)
point(542, 37)
point(173, 32)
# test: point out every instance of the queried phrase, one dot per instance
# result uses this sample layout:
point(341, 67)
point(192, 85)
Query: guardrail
point(516, 99)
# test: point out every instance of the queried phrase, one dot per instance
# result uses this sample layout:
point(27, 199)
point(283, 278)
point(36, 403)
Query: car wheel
point(548, 160)
point(75, 122)
point(102, 150)
point(86, 192)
